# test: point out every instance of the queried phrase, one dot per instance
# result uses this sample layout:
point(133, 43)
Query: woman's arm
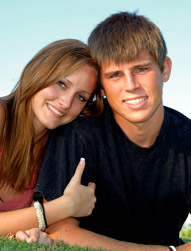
point(78, 200)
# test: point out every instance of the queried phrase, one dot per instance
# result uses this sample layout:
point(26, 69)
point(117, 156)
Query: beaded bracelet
point(38, 197)
point(39, 215)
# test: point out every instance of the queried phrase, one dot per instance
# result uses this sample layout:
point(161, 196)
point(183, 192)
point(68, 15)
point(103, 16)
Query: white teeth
point(54, 110)
point(135, 101)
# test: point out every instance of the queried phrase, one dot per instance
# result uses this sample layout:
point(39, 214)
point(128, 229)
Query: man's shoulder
point(178, 118)
point(88, 125)
point(96, 121)
point(180, 127)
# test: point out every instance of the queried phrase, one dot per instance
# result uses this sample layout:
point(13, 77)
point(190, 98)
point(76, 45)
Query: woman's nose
point(66, 101)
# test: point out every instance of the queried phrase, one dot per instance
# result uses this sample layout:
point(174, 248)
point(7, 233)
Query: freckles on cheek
point(77, 109)
point(81, 109)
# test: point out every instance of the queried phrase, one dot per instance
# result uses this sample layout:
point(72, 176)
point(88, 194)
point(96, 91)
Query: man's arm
point(69, 231)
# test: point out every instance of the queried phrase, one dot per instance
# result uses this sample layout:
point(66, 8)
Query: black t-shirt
point(143, 194)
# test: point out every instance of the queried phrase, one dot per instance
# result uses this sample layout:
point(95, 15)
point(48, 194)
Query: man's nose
point(130, 82)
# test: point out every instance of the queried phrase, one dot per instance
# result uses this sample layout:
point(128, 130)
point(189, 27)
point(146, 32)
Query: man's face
point(134, 89)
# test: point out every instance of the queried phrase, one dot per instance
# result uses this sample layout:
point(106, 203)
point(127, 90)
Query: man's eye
point(116, 75)
point(61, 84)
point(142, 69)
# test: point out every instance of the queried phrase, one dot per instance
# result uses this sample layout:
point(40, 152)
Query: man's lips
point(135, 101)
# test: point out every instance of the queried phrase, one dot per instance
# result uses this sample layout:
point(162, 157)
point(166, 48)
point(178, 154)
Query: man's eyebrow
point(142, 64)
point(136, 65)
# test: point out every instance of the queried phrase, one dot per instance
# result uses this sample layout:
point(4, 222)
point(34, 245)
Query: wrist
point(69, 206)
point(58, 209)
point(172, 248)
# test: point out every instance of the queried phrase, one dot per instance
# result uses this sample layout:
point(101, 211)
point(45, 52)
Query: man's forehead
point(143, 58)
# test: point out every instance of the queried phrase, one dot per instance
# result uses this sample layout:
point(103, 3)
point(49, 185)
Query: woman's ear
point(102, 92)
point(167, 65)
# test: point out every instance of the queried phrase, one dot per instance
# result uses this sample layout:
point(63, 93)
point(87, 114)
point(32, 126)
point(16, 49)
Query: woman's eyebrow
point(68, 81)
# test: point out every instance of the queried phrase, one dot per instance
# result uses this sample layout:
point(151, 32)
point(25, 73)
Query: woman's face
point(61, 103)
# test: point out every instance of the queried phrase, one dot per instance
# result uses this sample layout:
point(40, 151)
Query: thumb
point(79, 171)
point(92, 185)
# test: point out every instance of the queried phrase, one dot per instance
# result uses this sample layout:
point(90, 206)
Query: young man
point(138, 151)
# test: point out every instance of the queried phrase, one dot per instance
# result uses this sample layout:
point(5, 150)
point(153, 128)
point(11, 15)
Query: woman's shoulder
point(2, 107)
point(3, 104)
point(2, 116)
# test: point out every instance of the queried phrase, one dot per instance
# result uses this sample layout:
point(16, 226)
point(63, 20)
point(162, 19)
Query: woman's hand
point(82, 198)
point(33, 235)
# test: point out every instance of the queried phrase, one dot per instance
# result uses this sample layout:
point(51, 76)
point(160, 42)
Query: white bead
point(40, 215)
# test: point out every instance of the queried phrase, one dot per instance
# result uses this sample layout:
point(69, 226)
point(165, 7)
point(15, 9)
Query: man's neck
point(145, 133)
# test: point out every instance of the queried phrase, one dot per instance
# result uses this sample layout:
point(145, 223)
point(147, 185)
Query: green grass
point(7, 244)
point(186, 240)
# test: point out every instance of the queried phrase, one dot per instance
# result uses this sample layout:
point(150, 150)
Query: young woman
point(57, 85)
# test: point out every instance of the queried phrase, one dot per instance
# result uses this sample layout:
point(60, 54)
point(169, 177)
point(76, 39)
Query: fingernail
point(82, 160)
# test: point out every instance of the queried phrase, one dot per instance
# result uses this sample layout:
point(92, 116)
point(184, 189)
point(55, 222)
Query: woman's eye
point(81, 98)
point(61, 84)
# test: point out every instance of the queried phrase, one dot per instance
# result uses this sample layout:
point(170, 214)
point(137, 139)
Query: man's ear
point(166, 69)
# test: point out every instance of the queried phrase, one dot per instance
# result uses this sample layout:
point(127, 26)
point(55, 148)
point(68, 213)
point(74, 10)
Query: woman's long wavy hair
point(23, 152)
